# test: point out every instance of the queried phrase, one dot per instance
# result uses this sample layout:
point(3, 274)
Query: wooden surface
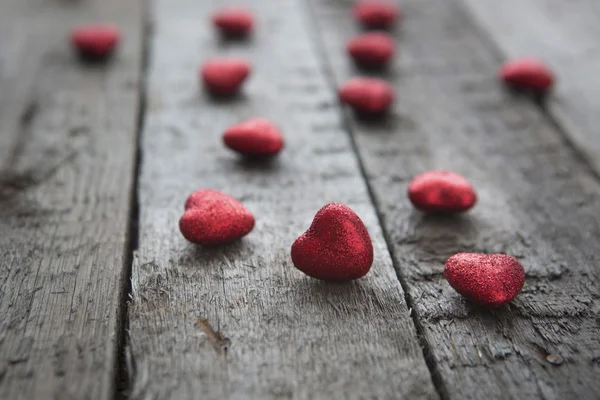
point(240, 321)
point(564, 34)
point(67, 147)
point(288, 336)
point(537, 201)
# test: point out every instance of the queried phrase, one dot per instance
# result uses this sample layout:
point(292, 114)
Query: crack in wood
point(216, 338)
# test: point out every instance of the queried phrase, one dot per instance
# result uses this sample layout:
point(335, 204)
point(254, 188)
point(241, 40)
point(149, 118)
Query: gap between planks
point(124, 364)
point(317, 37)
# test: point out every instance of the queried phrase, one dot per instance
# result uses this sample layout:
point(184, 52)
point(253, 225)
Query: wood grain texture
point(564, 34)
point(68, 145)
point(241, 321)
point(537, 202)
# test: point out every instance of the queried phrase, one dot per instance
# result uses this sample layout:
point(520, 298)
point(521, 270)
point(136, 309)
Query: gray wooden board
point(282, 334)
point(564, 34)
point(537, 201)
point(68, 141)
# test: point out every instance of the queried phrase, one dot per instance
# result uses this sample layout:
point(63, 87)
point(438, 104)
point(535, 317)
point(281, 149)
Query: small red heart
point(225, 76)
point(234, 21)
point(490, 280)
point(367, 95)
point(371, 49)
point(212, 218)
point(336, 247)
point(441, 192)
point(255, 137)
point(96, 41)
point(527, 74)
point(376, 13)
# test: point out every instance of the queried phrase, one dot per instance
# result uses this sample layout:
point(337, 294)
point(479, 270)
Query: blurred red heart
point(225, 76)
point(376, 13)
point(95, 41)
point(372, 49)
point(528, 74)
point(490, 280)
point(441, 192)
point(212, 218)
point(234, 21)
point(367, 95)
point(336, 247)
point(255, 137)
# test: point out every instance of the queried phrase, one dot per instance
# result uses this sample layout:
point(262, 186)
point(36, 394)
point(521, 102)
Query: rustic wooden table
point(101, 297)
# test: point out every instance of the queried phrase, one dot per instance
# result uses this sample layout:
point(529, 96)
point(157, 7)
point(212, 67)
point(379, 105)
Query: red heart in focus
point(441, 192)
point(490, 280)
point(376, 13)
point(367, 95)
point(95, 42)
point(255, 137)
point(225, 76)
point(234, 21)
point(371, 49)
point(527, 74)
point(336, 247)
point(212, 218)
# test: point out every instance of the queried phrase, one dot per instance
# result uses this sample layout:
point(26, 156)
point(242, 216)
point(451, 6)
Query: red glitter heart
point(95, 42)
point(212, 218)
point(255, 137)
point(527, 74)
point(441, 192)
point(371, 49)
point(490, 280)
point(225, 76)
point(367, 95)
point(336, 247)
point(234, 21)
point(376, 13)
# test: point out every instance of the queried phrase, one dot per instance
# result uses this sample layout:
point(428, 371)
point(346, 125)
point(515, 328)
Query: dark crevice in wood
point(124, 370)
point(586, 165)
point(540, 101)
point(328, 71)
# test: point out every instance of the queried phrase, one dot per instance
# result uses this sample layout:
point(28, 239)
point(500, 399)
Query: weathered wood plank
point(66, 173)
point(537, 201)
point(289, 336)
point(563, 33)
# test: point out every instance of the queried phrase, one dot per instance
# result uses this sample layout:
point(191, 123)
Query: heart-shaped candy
point(441, 192)
point(367, 95)
point(234, 21)
point(372, 49)
point(212, 218)
point(256, 137)
point(95, 42)
point(376, 13)
point(527, 74)
point(336, 247)
point(224, 76)
point(490, 280)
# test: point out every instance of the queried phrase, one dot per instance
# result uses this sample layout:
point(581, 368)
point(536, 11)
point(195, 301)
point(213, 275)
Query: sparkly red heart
point(490, 280)
point(441, 192)
point(336, 247)
point(371, 49)
point(255, 137)
point(367, 95)
point(225, 76)
point(376, 13)
point(527, 74)
point(95, 41)
point(234, 21)
point(212, 218)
